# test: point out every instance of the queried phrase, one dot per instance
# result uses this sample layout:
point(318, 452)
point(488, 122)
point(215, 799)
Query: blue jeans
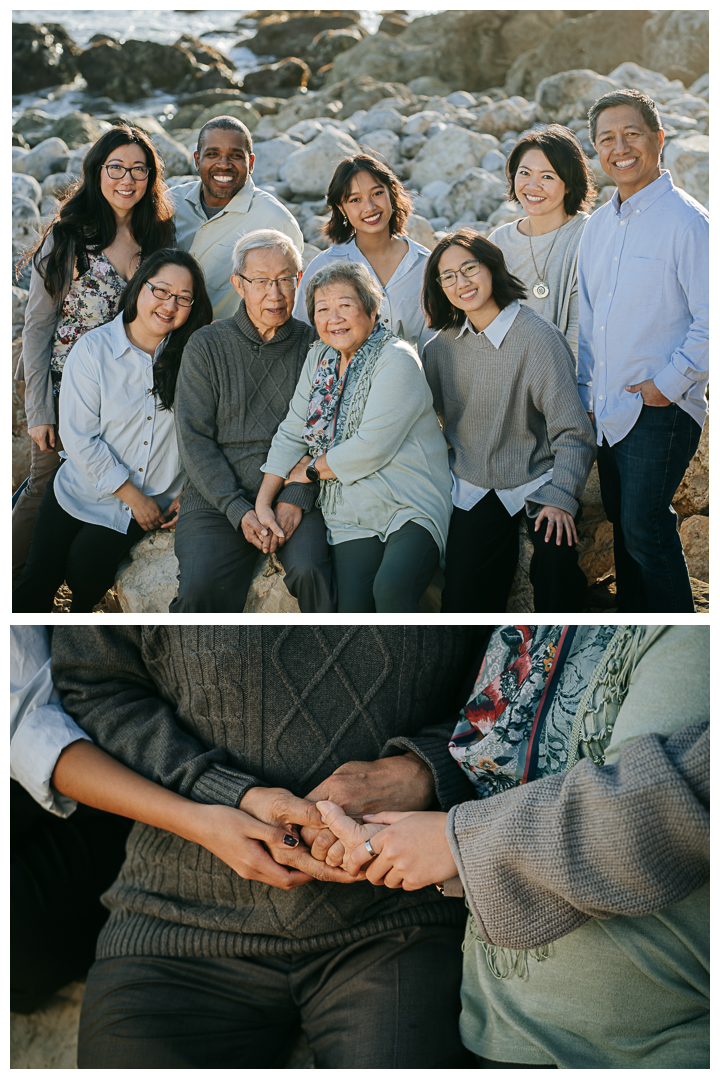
point(639, 476)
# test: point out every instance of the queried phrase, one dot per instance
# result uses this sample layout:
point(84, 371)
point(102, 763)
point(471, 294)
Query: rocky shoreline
point(443, 98)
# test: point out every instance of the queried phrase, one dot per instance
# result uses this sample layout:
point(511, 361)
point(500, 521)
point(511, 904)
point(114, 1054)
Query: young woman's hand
point(44, 436)
point(559, 520)
point(146, 511)
point(411, 853)
point(270, 533)
point(346, 833)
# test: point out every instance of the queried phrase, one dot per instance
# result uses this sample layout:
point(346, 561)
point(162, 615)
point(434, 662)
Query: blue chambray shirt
point(113, 429)
point(643, 293)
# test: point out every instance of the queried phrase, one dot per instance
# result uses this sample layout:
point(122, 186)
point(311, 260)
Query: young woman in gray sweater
point(521, 444)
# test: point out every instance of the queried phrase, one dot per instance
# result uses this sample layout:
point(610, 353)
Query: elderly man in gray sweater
point(235, 384)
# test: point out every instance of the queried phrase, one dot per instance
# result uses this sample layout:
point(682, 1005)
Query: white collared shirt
point(113, 429)
point(211, 240)
point(401, 311)
point(40, 729)
point(465, 495)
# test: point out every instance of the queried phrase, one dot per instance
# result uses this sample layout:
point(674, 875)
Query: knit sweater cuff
point(451, 784)
point(237, 510)
point(549, 495)
point(224, 785)
point(302, 495)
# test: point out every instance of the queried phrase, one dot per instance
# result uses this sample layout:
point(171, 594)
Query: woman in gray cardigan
point(362, 423)
point(521, 444)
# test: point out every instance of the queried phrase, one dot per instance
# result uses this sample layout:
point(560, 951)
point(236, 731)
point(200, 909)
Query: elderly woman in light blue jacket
point(362, 423)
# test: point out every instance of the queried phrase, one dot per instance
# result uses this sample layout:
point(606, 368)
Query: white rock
point(461, 99)
point(266, 129)
point(570, 94)
point(176, 181)
point(383, 142)
point(436, 189)
point(411, 144)
point(49, 156)
point(25, 223)
point(688, 159)
point(419, 122)
point(493, 161)
point(178, 160)
point(19, 302)
point(421, 231)
point(27, 186)
point(654, 83)
point(500, 117)
point(48, 209)
point(309, 170)
point(477, 193)
point(685, 105)
point(308, 254)
point(271, 155)
point(449, 154)
point(305, 130)
point(701, 86)
point(76, 158)
point(19, 153)
point(313, 225)
point(380, 118)
point(507, 211)
point(57, 182)
point(423, 206)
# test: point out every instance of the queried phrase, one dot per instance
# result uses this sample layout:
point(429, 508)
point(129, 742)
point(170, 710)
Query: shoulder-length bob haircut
point(566, 158)
point(167, 365)
point(440, 313)
point(85, 217)
point(339, 190)
point(357, 276)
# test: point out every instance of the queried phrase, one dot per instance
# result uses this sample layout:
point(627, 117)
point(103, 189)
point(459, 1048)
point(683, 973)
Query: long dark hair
point(85, 220)
point(443, 315)
point(565, 154)
point(167, 364)
point(339, 190)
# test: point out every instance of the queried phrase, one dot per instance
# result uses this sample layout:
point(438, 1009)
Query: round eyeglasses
point(116, 172)
point(163, 294)
point(468, 270)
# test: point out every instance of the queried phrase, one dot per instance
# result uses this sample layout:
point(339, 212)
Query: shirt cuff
point(112, 480)
point(237, 510)
point(223, 785)
point(672, 384)
point(34, 751)
point(302, 495)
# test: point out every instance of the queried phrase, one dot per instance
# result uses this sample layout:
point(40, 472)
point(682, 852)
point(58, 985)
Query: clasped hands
point(286, 841)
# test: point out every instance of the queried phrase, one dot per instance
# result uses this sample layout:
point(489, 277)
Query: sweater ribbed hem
point(224, 785)
point(195, 501)
point(136, 934)
point(451, 784)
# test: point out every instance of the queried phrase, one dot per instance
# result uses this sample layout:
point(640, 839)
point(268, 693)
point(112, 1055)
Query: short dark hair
point(229, 123)
point(644, 105)
point(339, 189)
point(565, 154)
point(167, 365)
point(440, 313)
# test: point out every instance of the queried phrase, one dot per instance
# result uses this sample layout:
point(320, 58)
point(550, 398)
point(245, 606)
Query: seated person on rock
point(237, 379)
point(212, 213)
point(122, 474)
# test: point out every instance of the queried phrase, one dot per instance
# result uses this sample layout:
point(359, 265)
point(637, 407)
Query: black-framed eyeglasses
point(116, 172)
point(468, 270)
point(163, 294)
point(263, 284)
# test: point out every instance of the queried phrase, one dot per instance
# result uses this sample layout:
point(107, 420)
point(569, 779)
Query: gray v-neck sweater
point(233, 390)
point(210, 711)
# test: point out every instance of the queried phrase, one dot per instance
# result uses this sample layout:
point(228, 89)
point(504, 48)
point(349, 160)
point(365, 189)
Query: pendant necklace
point(541, 289)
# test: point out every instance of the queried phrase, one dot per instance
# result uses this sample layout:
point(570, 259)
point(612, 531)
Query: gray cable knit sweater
point(210, 711)
point(512, 413)
point(233, 390)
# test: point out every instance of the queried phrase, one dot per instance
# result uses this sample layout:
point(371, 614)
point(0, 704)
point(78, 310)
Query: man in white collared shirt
point(211, 214)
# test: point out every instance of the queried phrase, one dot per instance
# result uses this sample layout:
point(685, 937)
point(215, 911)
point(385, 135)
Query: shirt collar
point(120, 342)
point(350, 250)
point(645, 197)
point(239, 204)
point(498, 328)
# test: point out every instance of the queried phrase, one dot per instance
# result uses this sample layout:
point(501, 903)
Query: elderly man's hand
point(288, 517)
point(366, 787)
point(299, 473)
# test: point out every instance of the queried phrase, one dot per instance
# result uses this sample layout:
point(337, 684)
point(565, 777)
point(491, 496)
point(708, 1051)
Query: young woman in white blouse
point(122, 474)
point(369, 208)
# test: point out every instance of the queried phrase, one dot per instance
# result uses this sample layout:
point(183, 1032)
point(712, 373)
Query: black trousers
point(64, 548)
point(58, 869)
point(391, 1001)
point(373, 576)
point(482, 555)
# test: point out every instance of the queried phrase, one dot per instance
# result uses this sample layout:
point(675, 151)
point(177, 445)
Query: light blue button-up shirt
point(643, 292)
point(113, 429)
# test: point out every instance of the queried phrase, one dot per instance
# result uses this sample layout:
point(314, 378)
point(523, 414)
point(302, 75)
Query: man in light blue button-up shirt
point(643, 348)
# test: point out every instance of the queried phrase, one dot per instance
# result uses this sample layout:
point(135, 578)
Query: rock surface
point(695, 536)
point(308, 171)
point(42, 55)
point(676, 43)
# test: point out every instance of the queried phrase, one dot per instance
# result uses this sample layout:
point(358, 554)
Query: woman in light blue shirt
point(369, 209)
point(122, 474)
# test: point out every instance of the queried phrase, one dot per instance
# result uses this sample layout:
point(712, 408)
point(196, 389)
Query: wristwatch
point(312, 473)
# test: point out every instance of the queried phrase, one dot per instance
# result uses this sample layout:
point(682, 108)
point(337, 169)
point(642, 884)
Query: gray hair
point(365, 285)
point(644, 105)
point(265, 240)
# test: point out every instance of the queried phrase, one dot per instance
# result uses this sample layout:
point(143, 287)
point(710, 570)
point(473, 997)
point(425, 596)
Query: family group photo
point(295, 337)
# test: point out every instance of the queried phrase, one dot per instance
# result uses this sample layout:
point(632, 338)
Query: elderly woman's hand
point(559, 520)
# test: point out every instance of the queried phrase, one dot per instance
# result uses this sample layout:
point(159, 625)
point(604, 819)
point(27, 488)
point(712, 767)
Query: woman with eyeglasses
point(114, 216)
point(548, 175)
point(369, 209)
point(122, 473)
point(521, 444)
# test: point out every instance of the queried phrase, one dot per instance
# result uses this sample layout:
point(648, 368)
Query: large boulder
point(131, 69)
point(240, 110)
point(78, 128)
point(384, 142)
point(178, 160)
point(420, 230)
point(688, 159)
point(49, 156)
point(287, 74)
point(469, 50)
point(695, 537)
point(202, 53)
point(42, 55)
point(362, 92)
point(291, 33)
point(449, 154)
point(27, 186)
point(500, 117)
point(25, 223)
point(309, 170)
point(328, 44)
point(599, 40)
point(693, 495)
point(569, 94)
point(477, 192)
point(676, 43)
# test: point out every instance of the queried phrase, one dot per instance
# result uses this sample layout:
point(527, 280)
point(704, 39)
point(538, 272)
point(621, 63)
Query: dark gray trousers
point(391, 1001)
point(217, 564)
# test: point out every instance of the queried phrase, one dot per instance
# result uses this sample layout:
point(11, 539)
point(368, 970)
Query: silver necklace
point(541, 289)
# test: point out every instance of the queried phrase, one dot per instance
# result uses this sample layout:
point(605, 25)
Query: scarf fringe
point(504, 963)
